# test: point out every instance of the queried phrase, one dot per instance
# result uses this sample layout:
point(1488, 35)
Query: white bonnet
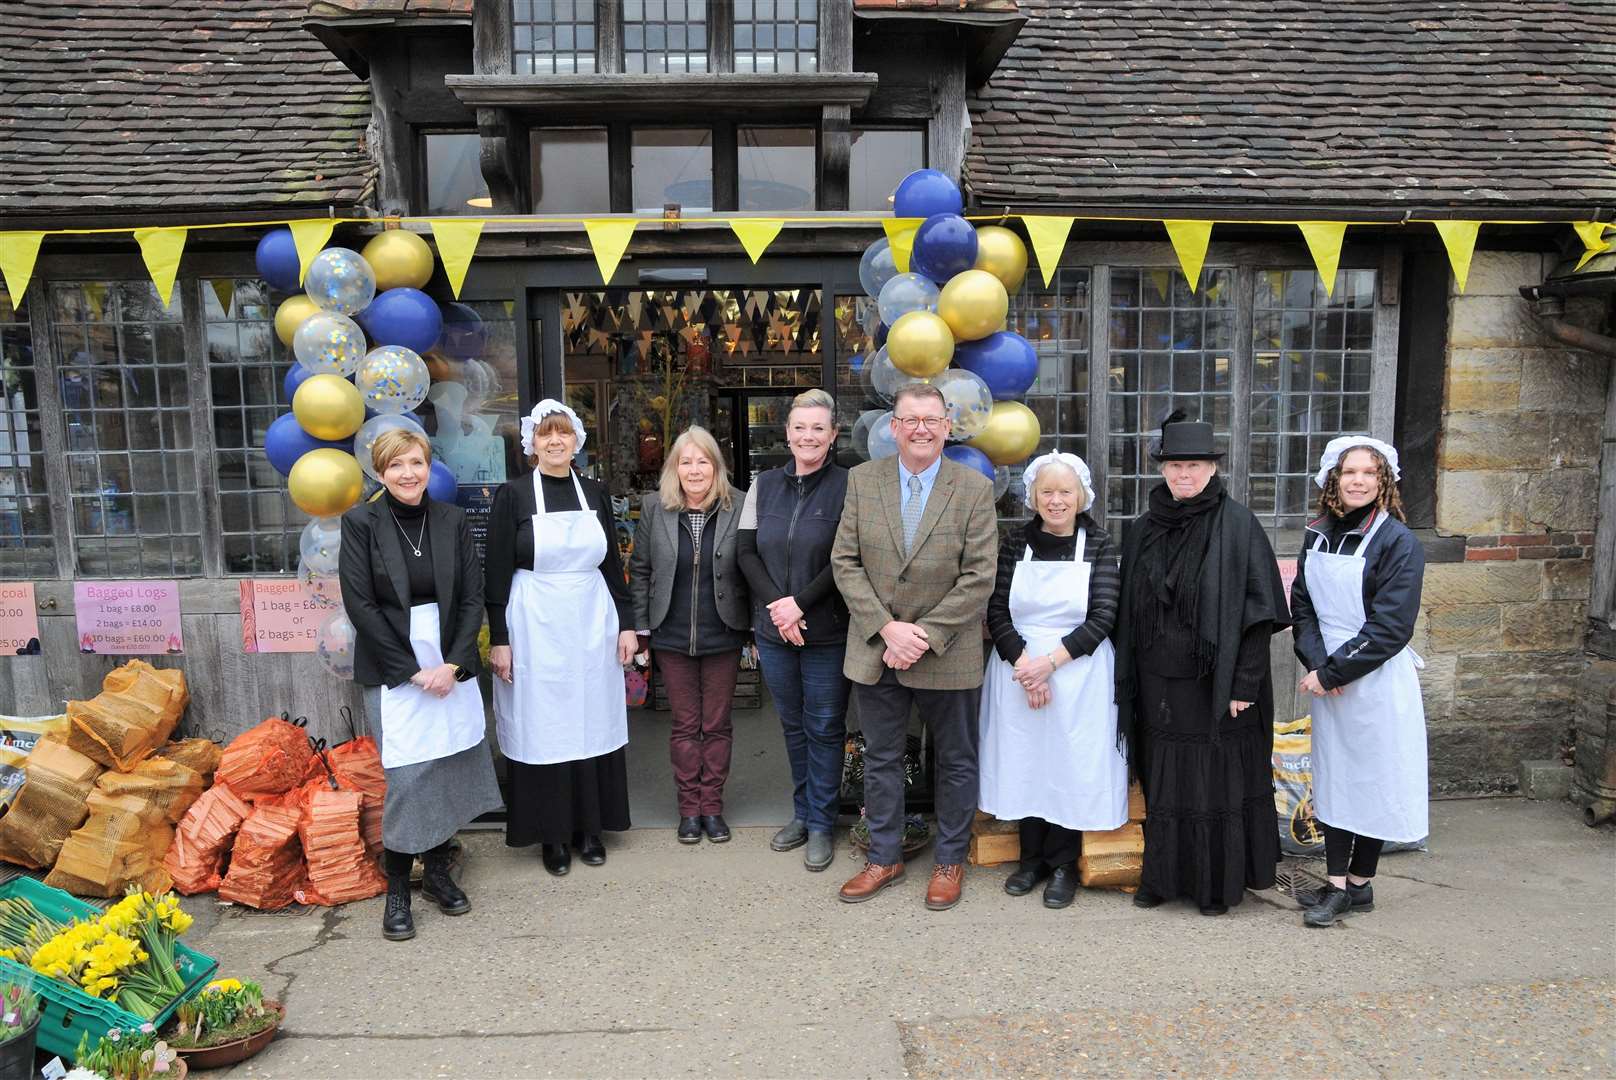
point(549, 407)
point(1071, 461)
point(1338, 447)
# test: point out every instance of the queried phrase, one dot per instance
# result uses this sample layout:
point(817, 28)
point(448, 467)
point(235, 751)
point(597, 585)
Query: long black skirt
point(1209, 803)
point(551, 804)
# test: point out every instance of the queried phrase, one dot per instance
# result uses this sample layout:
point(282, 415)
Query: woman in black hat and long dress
point(1201, 596)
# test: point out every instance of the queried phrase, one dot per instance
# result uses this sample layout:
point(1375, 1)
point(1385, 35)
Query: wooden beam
point(835, 35)
point(506, 160)
point(395, 149)
point(491, 37)
point(835, 156)
point(946, 132)
point(740, 91)
point(721, 38)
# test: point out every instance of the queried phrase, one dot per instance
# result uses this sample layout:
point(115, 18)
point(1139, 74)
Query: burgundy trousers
point(700, 689)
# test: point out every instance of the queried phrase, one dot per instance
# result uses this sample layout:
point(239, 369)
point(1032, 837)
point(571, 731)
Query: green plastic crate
point(68, 1012)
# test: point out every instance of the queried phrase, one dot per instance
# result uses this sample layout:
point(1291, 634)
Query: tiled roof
point(1368, 103)
point(426, 9)
point(175, 106)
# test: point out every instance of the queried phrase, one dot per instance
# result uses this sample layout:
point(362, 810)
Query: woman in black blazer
point(414, 593)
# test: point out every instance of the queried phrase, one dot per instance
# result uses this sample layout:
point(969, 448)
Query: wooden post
point(835, 157)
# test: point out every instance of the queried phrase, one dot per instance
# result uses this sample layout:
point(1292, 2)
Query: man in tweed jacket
point(914, 560)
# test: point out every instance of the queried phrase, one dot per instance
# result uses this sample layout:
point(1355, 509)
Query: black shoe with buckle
point(397, 923)
point(440, 888)
point(556, 857)
point(690, 830)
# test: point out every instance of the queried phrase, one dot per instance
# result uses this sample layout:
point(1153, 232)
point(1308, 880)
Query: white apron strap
point(1077, 555)
point(538, 491)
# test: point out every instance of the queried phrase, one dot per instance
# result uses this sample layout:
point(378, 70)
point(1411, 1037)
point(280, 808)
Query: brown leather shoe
point(944, 890)
point(869, 881)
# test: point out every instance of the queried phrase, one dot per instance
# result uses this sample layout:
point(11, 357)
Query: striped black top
point(1105, 585)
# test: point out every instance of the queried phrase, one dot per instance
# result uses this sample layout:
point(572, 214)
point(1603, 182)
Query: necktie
point(911, 514)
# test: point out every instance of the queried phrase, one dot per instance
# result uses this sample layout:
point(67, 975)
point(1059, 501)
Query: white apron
point(565, 698)
point(418, 726)
point(1369, 769)
point(1061, 762)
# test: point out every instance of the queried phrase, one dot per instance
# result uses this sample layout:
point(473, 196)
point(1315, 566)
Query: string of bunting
point(609, 237)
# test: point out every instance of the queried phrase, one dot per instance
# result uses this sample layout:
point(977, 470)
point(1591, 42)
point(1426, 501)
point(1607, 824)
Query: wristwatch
point(460, 673)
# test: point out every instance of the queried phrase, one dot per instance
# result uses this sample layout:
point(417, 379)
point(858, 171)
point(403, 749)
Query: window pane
point(880, 159)
point(665, 35)
point(673, 165)
point(27, 547)
point(454, 175)
point(553, 37)
point(571, 170)
point(773, 36)
point(777, 168)
point(1055, 319)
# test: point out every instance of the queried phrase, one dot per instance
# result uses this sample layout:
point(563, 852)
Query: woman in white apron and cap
point(411, 588)
point(561, 630)
point(1355, 602)
point(1049, 749)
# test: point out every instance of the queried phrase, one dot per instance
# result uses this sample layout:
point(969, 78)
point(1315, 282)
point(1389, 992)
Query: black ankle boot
point(556, 858)
point(397, 924)
point(440, 888)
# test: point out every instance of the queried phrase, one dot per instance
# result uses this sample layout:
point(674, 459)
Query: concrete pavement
point(1491, 955)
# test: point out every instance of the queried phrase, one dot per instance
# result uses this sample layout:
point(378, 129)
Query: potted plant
point(229, 1021)
point(916, 834)
point(127, 1054)
point(19, 1023)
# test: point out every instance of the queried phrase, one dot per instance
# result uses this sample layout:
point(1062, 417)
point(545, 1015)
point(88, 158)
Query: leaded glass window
point(1056, 320)
point(553, 37)
point(664, 36)
point(27, 546)
point(776, 35)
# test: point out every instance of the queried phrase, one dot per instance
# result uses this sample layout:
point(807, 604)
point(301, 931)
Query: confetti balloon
point(883, 443)
point(876, 267)
point(920, 344)
point(371, 430)
point(969, 402)
point(399, 258)
point(884, 378)
point(334, 645)
point(320, 544)
point(1004, 477)
point(324, 482)
point(328, 343)
point(393, 379)
point(340, 280)
point(974, 303)
point(324, 590)
point(290, 315)
point(904, 293)
point(1001, 253)
point(328, 407)
point(1011, 435)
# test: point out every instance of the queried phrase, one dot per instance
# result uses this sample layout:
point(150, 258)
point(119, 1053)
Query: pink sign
point(1287, 574)
point(128, 618)
point(19, 619)
point(283, 614)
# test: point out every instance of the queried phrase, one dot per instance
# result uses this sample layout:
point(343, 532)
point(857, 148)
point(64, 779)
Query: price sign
point(19, 619)
point(128, 618)
point(283, 614)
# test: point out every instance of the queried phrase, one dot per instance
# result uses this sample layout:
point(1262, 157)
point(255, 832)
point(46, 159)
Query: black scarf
point(1172, 546)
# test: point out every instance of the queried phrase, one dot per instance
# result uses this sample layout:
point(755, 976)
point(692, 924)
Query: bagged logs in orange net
point(202, 842)
point(199, 755)
point(339, 870)
point(357, 764)
point(136, 711)
point(51, 804)
point(268, 759)
point(266, 863)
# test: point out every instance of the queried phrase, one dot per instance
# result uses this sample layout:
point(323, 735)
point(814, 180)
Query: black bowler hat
point(1184, 440)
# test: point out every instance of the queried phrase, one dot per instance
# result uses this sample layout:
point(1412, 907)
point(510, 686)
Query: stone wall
point(1517, 477)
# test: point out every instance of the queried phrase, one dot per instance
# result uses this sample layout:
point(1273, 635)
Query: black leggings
point(400, 863)
point(1348, 853)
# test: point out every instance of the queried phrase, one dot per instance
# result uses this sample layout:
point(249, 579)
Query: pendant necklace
point(415, 545)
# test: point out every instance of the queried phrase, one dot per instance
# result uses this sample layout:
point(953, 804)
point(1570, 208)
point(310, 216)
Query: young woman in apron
point(1049, 753)
point(1355, 601)
point(412, 591)
point(557, 606)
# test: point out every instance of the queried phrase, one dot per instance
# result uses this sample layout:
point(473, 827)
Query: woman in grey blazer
point(690, 601)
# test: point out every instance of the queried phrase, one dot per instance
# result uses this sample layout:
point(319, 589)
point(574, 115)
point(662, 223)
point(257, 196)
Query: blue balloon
point(925, 192)
point(294, 379)
point(286, 441)
point(970, 456)
point(402, 316)
point(945, 244)
point(464, 334)
point(442, 485)
point(277, 260)
point(1006, 361)
point(881, 335)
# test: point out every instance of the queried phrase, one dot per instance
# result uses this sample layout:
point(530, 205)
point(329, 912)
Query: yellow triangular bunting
point(309, 236)
point(608, 237)
point(1593, 238)
point(1048, 236)
point(457, 243)
point(161, 248)
point(756, 234)
point(1190, 240)
point(901, 236)
point(1459, 237)
point(1324, 241)
point(225, 290)
point(18, 252)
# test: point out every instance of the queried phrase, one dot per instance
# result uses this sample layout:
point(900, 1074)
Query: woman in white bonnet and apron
point(1355, 602)
point(561, 630)
point(1049, 751)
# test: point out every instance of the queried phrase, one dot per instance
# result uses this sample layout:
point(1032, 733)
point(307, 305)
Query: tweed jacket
point(942, 585)
point(656, 551)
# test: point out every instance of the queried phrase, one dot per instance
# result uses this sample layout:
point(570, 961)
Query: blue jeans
point(810, 694)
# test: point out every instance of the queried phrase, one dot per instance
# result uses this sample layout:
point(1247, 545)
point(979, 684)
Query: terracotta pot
point(217, 1057)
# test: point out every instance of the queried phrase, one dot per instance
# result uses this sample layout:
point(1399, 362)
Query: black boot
point(591, 850)
point(397, 924)
point(556, 857)
point(439, 887)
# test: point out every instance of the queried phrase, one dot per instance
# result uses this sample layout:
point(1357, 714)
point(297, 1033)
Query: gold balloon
point(290, 315)
point(974, 304)
point(920, 344)
point(399, 258)
point(1011, 435)
point(325, 482)
point(1001, 253)
point(328, 407)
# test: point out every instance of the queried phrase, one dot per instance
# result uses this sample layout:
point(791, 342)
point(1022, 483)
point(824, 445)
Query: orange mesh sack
point(265, 760)
point(202, 842)
point(50, 805)
point(358, 766)
point(339, 870)
point(199, 755)
point(136, 711)
point(266, 864)
point(121, 844)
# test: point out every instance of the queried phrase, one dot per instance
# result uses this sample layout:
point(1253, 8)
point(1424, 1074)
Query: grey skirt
point(430, 801)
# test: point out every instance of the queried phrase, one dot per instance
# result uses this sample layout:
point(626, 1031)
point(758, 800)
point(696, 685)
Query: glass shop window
point(664, 36)
point(777, 168)
point(776, 35)
point(673, 165)
point(571, 170)
point(881, 158)
point(27, 545)
point(454, 175)
point(553, 37)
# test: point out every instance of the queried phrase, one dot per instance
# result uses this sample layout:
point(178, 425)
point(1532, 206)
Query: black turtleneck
point(410, 522)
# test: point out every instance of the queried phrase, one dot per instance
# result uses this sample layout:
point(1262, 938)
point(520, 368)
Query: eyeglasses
point(913, 423)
